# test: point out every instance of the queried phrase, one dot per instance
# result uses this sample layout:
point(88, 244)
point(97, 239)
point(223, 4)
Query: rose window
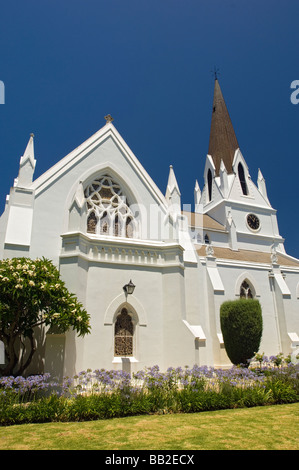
point(108, 211)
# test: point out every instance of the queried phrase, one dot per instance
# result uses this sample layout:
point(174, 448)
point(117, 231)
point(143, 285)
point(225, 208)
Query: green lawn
point(262, 428)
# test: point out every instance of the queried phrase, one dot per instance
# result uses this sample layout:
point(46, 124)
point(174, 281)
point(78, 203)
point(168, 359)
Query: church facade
point(152, 273)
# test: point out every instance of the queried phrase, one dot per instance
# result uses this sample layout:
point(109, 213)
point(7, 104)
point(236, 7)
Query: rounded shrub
point(241, 325)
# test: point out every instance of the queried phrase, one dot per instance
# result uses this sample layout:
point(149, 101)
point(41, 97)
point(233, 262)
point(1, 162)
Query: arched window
point(91, 223)
point(246, 291)
point(209, 178)
point(242, 179)
point(207, 239)
point(123, 334)
point(108, 211)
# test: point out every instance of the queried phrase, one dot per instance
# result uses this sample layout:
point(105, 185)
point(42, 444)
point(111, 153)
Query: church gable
point(243, 189)
point(105, 149)
point(100, 189)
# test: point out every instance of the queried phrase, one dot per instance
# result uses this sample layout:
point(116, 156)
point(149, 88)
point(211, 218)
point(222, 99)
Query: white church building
point(104, 222)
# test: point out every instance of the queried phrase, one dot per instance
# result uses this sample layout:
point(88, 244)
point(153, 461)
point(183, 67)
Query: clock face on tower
point(253, 221)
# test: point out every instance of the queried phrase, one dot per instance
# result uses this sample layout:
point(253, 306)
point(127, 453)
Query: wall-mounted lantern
point(129, 288)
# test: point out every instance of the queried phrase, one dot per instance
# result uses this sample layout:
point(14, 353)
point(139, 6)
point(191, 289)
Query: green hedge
point(242, 327)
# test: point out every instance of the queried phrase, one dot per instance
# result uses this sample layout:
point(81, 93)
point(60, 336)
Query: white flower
point(31, 283)
point(19, 286)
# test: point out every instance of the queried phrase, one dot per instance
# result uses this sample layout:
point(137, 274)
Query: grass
point(259, 428)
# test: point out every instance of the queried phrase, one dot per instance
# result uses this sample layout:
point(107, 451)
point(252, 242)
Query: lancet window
point(207, 239)
point(209, 184)
point(108, 211)
point(242, 179)
point(246, 291)
point(123, 334)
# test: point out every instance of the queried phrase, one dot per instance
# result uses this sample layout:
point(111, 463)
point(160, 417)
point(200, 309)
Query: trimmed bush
point(241, 326)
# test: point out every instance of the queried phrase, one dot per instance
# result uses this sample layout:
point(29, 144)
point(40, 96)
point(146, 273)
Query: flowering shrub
point(32, 294)
point(25, 389)
point(104, 393)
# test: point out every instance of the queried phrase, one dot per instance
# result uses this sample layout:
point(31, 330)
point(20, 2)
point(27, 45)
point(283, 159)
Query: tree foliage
point(32, 295)
point(242, 327)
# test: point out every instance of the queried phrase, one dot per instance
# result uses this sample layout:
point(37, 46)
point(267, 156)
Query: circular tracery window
point(108, 211)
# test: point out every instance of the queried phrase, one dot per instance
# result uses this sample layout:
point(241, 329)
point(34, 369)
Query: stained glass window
point(123, 334)
point(108, 211)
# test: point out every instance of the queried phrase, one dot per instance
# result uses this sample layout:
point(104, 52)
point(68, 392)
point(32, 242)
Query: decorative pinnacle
point(109, 118)
point(31, 135)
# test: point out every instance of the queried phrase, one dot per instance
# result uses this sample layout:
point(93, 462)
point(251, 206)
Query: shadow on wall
point(55, 353)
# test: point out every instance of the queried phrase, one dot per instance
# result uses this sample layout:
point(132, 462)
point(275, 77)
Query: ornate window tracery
point(123, 334)
point(246, 291)
point(108, 211)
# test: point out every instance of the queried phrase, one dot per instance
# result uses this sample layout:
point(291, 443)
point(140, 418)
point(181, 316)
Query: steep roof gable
point(82, 151)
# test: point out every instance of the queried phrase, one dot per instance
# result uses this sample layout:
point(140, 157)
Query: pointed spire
point(261, 183)
point(27, 165)
point(223, 141)
point(173, 194)
point(172, 182)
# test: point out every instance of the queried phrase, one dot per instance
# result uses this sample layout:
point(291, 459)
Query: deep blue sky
point(68, 63)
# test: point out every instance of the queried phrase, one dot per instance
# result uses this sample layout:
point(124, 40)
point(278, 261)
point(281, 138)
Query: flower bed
point(105, 394)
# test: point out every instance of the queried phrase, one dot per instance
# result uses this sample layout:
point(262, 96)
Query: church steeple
point(223, 141)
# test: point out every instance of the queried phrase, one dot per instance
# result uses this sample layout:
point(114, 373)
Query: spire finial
point(215, 72)
point(108, 118)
